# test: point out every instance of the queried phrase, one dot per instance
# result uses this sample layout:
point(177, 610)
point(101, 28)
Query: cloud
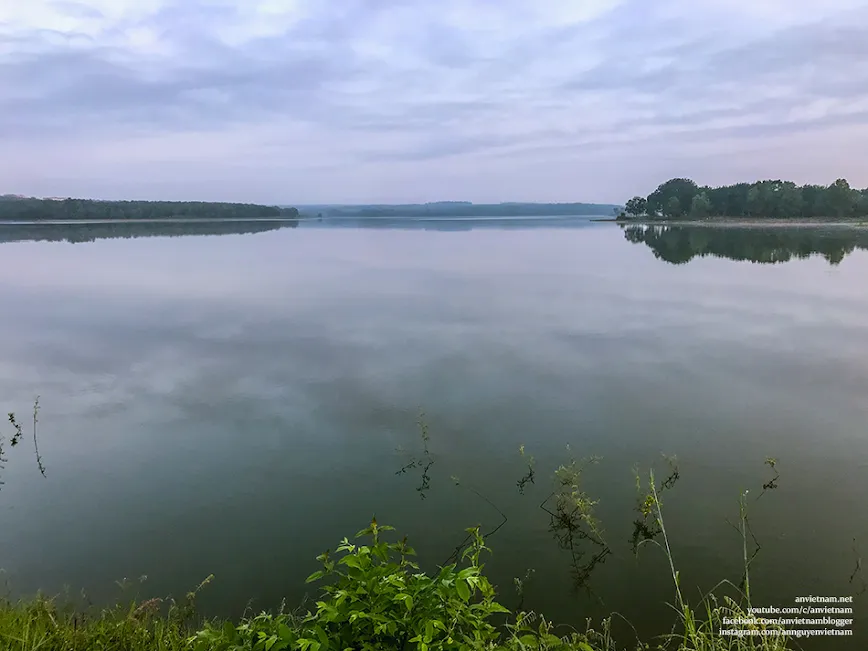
point(377, 100)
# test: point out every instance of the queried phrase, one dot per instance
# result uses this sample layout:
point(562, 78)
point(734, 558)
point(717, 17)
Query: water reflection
point(569, 509)
point(768, 245)
point(453, 224)
point(78, 233)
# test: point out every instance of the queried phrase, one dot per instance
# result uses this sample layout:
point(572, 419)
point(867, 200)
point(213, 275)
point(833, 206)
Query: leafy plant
point(375, 597)
point(378, 598)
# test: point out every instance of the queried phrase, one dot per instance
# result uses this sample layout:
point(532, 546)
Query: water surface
point(234, 405)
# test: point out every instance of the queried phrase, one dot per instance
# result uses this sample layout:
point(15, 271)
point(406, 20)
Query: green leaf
point(229, 630)
point(314, 577)
point(408, 601)
point(467, 572)
point(285, 632)
point(351, 561)
point(463, 590)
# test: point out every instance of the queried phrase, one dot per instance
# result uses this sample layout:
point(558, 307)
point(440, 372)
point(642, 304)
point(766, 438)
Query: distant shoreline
point(159, 220)
point(731, 222)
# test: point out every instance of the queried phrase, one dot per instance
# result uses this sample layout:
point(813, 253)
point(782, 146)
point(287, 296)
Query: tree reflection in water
point(767, 245)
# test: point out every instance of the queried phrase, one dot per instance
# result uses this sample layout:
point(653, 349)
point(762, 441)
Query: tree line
point(683, 198)
point(14, 208)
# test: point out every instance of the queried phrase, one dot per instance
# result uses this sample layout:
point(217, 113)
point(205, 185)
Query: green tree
point(754, 201)
point(814, 201)
point(861, 208)
point(840, 198)
point(700, 207)
point(769, 198)
point(729, 200)
point(775, 199)
point(789, 199)
point(683, 190)
point(636, 206)
point(30, 209)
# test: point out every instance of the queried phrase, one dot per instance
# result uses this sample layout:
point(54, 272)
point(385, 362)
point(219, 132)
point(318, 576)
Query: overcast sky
point(346, 101)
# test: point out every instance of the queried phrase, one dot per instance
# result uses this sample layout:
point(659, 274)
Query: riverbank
point(373, 597)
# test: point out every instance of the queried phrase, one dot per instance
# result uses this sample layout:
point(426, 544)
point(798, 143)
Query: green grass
point(43, 625)
point(60, 624)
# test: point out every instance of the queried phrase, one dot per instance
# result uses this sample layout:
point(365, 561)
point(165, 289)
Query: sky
point(370, 101)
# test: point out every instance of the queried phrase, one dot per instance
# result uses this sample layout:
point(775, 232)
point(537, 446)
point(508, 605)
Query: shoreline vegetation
point(373, 595)
point(15, 208)
point(682, 199)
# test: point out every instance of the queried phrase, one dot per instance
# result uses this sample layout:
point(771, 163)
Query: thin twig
point(35, 442)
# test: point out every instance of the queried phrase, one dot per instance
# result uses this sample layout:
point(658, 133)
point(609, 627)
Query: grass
point(43, 625)
point(59, 624)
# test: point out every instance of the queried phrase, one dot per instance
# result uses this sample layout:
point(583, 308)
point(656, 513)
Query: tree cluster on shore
point(14, 208)
point(683, 198)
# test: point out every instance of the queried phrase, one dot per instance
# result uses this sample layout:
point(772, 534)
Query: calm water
point(234, 405)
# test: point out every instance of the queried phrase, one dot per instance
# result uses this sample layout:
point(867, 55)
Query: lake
point(237, 403)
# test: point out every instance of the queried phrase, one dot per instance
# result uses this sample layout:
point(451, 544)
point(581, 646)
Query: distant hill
point(460, 209)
